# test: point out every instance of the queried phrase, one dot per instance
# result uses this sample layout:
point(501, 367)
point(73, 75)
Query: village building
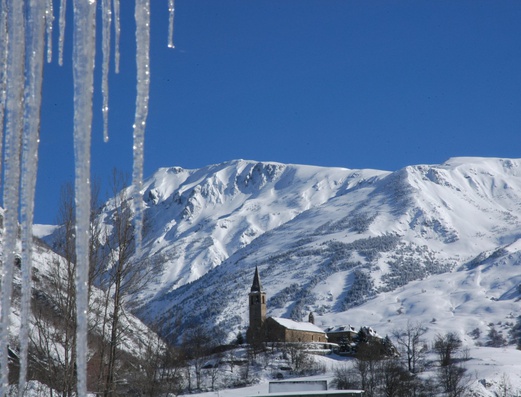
point(274, 329)
point(341, 334)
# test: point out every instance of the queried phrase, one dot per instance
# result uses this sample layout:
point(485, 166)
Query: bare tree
point(453, 380)
point(345, 378)
point(451, 374)
point(368, 364)
point(112, 269)
point(173, 369)
point(53, 338)
point(215, 370)
point(396, 380)
point(157, 369)
point(410, 342)
point(446, 347)
point(118, 277)
point(197, 346)
point(381, 376)
point(245, 369)
point(160, 368)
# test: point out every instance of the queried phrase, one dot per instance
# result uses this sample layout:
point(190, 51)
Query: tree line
point(113, 276)
point(411, 373)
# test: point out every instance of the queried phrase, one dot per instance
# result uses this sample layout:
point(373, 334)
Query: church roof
point(298, 326)
point(256, 286)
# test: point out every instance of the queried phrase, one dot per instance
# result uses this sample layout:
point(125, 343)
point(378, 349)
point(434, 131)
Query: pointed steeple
point(311, 318)
point(256, 286)
point(257, 307)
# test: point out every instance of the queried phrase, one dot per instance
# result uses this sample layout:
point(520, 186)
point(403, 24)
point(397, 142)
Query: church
point(274, 329)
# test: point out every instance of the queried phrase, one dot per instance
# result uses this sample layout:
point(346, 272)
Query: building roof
point(298, 326)
point(340, 329)
point(256, 285)
point(337, 393)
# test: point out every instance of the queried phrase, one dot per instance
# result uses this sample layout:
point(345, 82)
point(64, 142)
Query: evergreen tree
point(515, 333)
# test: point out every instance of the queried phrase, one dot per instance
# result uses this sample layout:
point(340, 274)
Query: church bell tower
point(257, 309)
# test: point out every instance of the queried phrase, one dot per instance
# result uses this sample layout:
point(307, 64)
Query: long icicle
point(117, 31)
point(106, 17)
point(33, 94)
point(14, 107)
point(171, 15)
point(61, 39)
point(142, 16)
point(49, 20)
point(3, 72)
point(83, 72)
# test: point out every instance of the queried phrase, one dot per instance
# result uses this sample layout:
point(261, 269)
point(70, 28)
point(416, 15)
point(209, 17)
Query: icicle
point(49, 19)
point(106, 16)
point(33, 92)
point(171, 14)
point(14, 107)
point(84, 48)
point(61, 40)
point(142, 16)
point(3, 72)
point(116, 35)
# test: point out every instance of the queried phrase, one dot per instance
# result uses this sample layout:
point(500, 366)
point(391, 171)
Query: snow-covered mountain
point(326, 240)
point(433, 243)
point(196, 219)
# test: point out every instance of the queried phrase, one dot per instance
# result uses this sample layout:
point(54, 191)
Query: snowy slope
point(324, 239)
point(195, 219)
point(48, 282)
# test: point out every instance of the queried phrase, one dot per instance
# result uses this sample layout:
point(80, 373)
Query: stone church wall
point(278, 333)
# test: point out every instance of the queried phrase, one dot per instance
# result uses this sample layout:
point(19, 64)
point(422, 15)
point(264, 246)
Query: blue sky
point(345, 83)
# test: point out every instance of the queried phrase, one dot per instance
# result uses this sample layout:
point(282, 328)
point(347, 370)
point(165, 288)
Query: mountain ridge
point(418, 221)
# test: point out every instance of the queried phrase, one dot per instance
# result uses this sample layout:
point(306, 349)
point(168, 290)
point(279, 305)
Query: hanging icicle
point(84, 51)
point(61, 40)
point(106, 17)
point(33, 92)
point(171, 14)
point(20, 103)
point(49, 19)
point(3, 72)
point(142, 16)
point(116, 35)
point(14, 108)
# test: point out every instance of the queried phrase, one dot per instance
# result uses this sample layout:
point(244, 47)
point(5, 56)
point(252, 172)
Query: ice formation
point(171, 13)
point(84, 50)
point(142, 16)
point(33, 91)
point(13, 139)
point(106, 20)
point(26, 26)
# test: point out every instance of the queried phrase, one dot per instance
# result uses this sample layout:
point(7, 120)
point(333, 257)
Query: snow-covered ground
point(488, 369)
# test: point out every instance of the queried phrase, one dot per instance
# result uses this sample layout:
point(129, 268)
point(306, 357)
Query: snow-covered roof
point(298, 326)
point(340, 328)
